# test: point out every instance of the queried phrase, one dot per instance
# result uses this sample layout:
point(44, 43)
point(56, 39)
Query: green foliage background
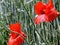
point(12, 11)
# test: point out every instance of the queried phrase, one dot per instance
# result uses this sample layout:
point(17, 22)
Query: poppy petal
point(16, 41)
point(38, 7)
point(15, 27)
point(52, 15)
point(14, 35)
point(50, 4)
point(40, 18)
point(49, 7)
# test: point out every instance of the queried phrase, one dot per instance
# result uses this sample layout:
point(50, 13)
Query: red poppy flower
point(45, 12)
point(16, 39)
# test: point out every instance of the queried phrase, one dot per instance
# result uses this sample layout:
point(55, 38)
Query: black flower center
point(43, 12)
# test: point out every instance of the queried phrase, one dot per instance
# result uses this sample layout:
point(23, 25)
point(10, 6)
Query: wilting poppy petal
point(39, 6)
point(41, 18)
